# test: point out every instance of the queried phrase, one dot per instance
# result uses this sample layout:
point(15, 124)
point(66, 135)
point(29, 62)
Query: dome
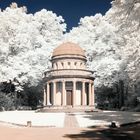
point(68, 48)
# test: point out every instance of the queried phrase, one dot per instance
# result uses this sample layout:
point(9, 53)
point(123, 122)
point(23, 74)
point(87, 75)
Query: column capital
point(54, 81)
point(73, 81)
point(90, 82)
point(63, 81)
point(47, 83)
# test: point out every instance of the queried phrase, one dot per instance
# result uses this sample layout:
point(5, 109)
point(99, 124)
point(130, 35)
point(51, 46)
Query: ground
point(69, 126)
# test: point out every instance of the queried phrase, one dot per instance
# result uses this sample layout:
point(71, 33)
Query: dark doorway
point(69, 97)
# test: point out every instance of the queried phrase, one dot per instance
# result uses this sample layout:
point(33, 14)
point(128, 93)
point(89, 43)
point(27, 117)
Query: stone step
point(67, 109)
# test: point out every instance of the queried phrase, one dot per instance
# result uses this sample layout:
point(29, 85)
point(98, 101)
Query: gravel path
point(70, 121)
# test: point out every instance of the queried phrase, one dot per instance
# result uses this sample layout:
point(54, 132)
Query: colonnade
point(87, 96)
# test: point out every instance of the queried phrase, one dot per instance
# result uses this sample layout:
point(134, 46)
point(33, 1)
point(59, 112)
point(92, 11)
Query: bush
point(6, 102)
point(137, 108)
point(132, 101)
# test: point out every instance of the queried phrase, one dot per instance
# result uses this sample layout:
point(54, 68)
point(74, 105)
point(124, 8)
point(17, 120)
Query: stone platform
point(67, 109)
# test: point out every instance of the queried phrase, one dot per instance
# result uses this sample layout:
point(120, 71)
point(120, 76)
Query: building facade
point(68, 83)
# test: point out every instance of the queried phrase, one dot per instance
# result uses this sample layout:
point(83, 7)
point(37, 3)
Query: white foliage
point(124, 15)
point(26, 43)
point(111, 42)
point(97, 37)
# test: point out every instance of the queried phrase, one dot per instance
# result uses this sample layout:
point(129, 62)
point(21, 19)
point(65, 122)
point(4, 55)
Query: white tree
point(98, 38)
point(124, 15)
point(26, 42)
point(112, 42)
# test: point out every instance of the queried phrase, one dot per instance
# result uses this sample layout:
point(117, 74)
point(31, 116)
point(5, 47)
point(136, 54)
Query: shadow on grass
point(118, 116)
point(129, 132)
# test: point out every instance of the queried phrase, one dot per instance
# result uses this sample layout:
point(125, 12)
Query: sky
point(70, 10)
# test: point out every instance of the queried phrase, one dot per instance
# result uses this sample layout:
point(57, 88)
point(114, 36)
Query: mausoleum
point(68, 82)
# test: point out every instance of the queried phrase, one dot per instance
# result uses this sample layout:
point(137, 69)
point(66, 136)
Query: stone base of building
point(68, 109)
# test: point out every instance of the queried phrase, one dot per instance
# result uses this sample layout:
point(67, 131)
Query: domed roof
point(68, 48)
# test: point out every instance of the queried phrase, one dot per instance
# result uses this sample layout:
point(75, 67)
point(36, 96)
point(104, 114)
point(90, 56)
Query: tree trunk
point(121, 93)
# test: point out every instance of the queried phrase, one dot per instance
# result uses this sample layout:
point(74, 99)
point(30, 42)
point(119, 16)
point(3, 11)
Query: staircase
point(67, 109)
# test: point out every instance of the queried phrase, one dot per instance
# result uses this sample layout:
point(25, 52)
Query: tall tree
point(26, 43)
point(98, 38)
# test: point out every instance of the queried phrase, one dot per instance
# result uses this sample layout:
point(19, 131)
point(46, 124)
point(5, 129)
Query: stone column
point(83, 93)
point(54, 93)
point(89, 92)
point(73, 95)
point(63, 94)
point(44, 101)
point(48, 94)
point(92, 95)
